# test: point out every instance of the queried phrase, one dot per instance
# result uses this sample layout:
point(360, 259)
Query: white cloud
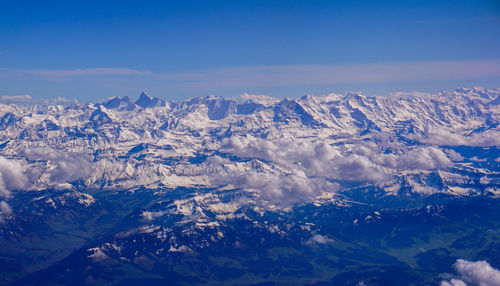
point(59, 100)
point(85, 72)
point(26, 98)
point(66, 166)
point(453, 282)
point(291, 75)
point(276, 76)
point(16, 98)
point(5, 209)
point(365, 162)
point(59, 75)
point(304, 156)
point(308, 169)
point(454, 156)
point(445, 137)
point(477, 273)
point(280, 189)
point(321, 239)
point(12, 177)
point(425, 158)
point(149, 216)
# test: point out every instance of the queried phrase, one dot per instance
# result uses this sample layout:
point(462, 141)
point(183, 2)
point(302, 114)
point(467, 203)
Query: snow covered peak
point(145, 101)
point(479, 93)
point(259, 99)
point(123, 103)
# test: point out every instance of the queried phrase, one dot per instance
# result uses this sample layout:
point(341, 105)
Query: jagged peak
point(354, 96)
point(480, 93)
point(117, 102)
point(145, 95)
point(99, 113)
point(212, 96)
point(145, 100)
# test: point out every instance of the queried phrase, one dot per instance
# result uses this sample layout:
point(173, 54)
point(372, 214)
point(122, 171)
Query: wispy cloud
point(292, 75)
point(269, 76)
point(88, 72)
point(61, 74)
point(28, 99)
point(16, 98)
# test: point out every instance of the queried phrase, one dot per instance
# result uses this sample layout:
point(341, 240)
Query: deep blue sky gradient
point(185, 37)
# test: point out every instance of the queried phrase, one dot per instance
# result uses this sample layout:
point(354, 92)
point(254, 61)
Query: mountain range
point(248, 190)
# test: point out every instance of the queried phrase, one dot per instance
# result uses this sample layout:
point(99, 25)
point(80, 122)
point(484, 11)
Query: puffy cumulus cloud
point(298, 176)
point(453, 155)
point(217, 160)
point(308, 169)
point(356, 168)
point(365, 162)
point(251, 147)
point(5, 209)
point(312, 159)
point(423, 158)
point(149, 216)
point(479, 272)
point(12, 177)
point(62, 167)
point(476, 273)
point(426, 158)
point(319, 239)
point(279, 189)
point(444, 137)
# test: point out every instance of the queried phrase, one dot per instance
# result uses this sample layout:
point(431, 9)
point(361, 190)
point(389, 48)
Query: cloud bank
point(57, 168)
point(443, 137)
point(305, 170)
point(67, 167)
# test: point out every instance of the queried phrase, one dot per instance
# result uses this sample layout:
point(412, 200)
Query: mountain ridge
point(197, 128)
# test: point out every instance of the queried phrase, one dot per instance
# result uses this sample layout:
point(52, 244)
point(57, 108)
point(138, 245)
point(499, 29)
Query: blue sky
point(89, 50)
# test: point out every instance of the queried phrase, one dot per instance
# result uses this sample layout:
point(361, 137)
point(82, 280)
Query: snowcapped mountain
point(255, 142)
point(247, 182)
